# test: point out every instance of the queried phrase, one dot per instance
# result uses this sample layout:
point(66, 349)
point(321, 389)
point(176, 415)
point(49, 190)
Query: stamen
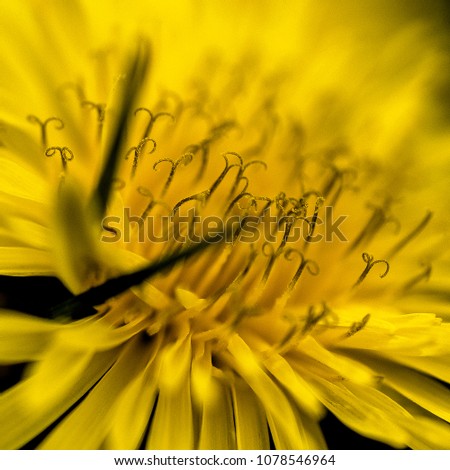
point(266, 207)
point(146, 193)
point(255, 162)
point(240, 176)
point(368, 259)
point(308, 194)
point(289, 222)
point(152, 120)
point(267, 130)
point(216, 183)
point(312, 223)
point(65, 153)
point(272, 254)
point(194, 149)
point(218, 131)
point(205, 195)
point(100, 109)
point(358, 326)
point(142, 190)
point(297, 329)
point(43, 126)
point(204, 146)
point(296, 212)
point(236, 200)
point(287, 339)
point(337, 180)
point(252, 205)
point(375, 223)
point(183, 160)
point(410, 236)
point(200, 197)
point(137, 153)
point(193, 216)
point(234, 154)
point(298, 209)
point(424, 275)
point(281, 202)
point(167, 95)
point(314, 317)
point(311, 266)
point(252, 256)
point(244, 216)
point(246, 184)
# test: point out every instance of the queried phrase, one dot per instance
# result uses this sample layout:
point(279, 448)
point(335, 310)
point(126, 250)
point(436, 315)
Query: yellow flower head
point(248, 203)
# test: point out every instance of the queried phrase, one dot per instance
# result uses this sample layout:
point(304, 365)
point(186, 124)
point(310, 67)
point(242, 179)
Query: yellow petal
point(133, 411)
point(30, 233)
point(251, 423)
point(88, 424)
point(95, 334)
point(73, 375)
point(152, 296)
point(174, 406)
point(24, 338)
point(310, 430)
point(335, 362)
point(435, 366)
point(21, 181)
point(189, 299)
point(427, 393)
point(204, 391)
point(175, 363)
point(365, 410)
point(23, 261)
point(217, 429)
point(280, 368)
point(281, 418)
point(23, 208)
point(427, 434)
point(173, 412)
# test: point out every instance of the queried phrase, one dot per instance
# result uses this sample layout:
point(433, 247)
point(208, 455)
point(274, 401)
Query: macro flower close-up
point(224, 224)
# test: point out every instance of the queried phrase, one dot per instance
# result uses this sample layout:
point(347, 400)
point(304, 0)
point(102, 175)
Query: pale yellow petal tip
point(189, 299)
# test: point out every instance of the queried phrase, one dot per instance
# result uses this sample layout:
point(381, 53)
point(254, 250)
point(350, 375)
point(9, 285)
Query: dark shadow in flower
point(339, 437)
point(33, 295)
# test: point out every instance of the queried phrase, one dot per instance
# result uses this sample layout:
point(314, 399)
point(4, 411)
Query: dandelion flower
point(309, 141)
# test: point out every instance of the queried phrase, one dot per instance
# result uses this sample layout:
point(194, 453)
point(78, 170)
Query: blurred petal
point(281, 419)
point(78, 430)
point(174, 406)
point(23, 261)
point(421, 390)
point(25, 415)
point(24, 338)
point(131, 413)
point(250, 420)
point(217, 429)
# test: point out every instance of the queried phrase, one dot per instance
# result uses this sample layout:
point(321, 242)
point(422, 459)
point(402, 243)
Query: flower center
point(293, 224)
